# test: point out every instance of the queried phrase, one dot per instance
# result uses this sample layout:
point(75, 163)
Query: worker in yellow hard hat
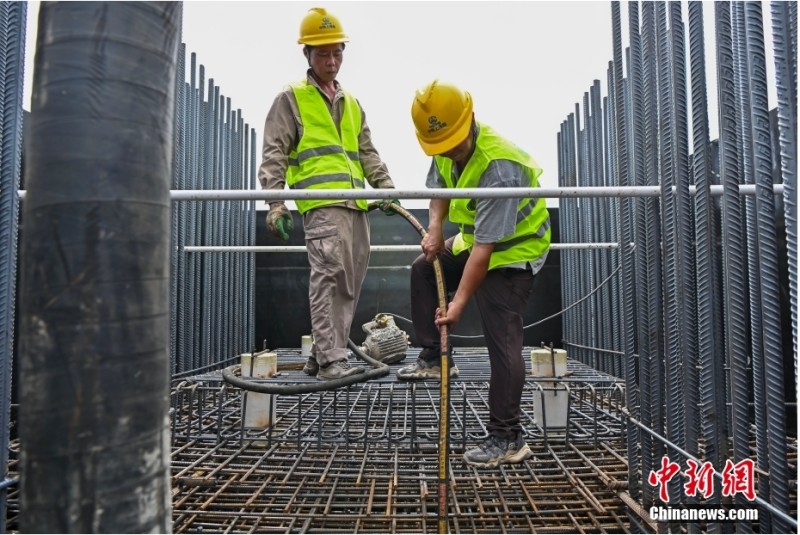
point(501, 246)
point(316, 138)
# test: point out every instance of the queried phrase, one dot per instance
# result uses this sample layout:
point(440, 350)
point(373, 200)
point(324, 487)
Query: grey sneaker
point(423, 369)
point(312, 367)
point(496, 450)
point(337, 370)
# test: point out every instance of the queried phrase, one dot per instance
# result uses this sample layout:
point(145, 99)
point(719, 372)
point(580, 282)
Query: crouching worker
point(501, 246)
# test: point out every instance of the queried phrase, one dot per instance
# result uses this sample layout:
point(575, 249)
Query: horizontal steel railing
point(476, 193)
point(373, 248)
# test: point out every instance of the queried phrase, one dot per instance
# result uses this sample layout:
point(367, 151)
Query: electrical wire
point(534, 324)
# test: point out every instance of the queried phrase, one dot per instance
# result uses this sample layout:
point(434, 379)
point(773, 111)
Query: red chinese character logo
point(701, 479)
point(661, 477)
point(739, 478)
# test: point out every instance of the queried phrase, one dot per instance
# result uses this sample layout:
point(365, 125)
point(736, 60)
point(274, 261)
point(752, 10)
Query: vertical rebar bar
point(672, 340)
point(13, 17)
point(251, 267)
point(571, 230)
point(768, 264)
point(652, 244)
point(744, 137)
point(647, 330)
point(626, 255)
point(587, 231)
point(177, 257)
point(784, 32)
point(734, 271)
point(609, 130)
point(600, 225)
point(708, 385)
point(686, 287)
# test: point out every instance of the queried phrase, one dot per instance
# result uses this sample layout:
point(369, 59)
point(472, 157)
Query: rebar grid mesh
point(362, 459)
point(395, 413)
point(243, 488)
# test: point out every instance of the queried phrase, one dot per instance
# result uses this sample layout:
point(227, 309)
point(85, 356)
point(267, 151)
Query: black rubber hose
point(94, 299)
point(271, 387)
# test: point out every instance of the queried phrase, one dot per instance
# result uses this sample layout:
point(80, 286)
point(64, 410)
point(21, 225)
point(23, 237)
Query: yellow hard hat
point(442, 115)
point(320, 28)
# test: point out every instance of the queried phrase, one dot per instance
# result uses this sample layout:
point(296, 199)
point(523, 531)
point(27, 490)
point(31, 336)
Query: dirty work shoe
point(312, 367)
point(338, 370)
point(423, 369)
point(495, 451)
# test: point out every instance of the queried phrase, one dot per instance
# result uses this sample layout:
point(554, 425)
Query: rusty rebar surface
point(246, 488)
point(363, 459)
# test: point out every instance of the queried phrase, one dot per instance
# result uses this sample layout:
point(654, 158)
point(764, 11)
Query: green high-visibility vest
point(323, 159)
point(531, 237)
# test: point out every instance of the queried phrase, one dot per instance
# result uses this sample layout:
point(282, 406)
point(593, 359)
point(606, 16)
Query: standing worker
point(316, 138)
point(501, 246)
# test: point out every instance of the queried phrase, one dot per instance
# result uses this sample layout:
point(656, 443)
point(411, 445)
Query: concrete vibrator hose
point(380, 370)
point(444, 385)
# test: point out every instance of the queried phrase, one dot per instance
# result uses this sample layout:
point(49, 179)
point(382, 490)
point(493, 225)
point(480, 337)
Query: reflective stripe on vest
point(531, 237)
point(323, 159)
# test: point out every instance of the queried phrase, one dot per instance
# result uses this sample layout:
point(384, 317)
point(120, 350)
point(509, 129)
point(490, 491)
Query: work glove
point(279, 221)
point(386, 206)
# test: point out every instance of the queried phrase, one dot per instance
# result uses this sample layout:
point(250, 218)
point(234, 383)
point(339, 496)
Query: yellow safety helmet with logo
point(442, 115)
point(320, 28)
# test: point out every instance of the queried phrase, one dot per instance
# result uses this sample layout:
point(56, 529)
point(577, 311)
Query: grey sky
point(526, 64)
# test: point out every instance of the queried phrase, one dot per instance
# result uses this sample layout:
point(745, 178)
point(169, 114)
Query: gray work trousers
point(337, 239)
point(502, 299)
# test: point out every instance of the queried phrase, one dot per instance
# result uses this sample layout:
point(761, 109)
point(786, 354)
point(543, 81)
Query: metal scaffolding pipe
point(373, 248)
point(474, 193)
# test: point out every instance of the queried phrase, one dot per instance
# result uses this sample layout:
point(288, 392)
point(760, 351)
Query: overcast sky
point(526, 64)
